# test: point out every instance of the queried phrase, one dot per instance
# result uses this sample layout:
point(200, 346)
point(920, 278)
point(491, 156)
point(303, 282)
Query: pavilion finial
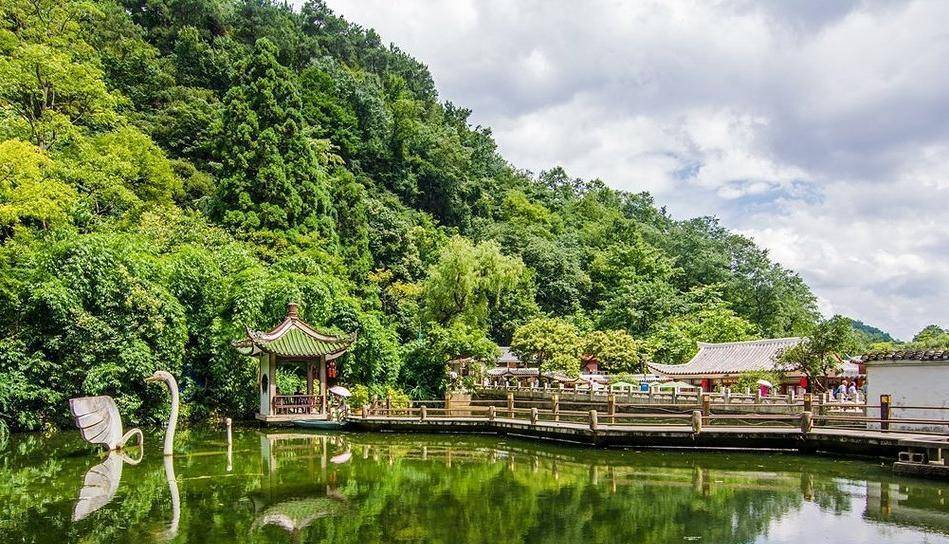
point(293, 310)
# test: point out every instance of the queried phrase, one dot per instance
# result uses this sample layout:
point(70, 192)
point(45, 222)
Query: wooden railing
point(806, 414)
point(296, 404)
point(653, 396)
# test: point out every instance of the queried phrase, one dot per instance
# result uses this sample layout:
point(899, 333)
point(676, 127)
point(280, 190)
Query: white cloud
point(820, 129)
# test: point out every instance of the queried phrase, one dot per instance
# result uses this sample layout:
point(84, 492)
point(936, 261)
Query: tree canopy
point(171, 172)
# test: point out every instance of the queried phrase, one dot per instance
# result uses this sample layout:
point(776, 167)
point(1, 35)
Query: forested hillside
point(173, 170)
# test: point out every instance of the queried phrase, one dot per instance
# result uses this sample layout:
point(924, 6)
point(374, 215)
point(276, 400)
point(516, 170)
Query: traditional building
point(722, 364)
point(294, 342)
point(914, 378)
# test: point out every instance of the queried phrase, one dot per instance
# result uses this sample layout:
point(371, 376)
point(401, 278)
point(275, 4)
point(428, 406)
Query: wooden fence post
point(534, 415)
point(885, 412)
point(807, 422)
point(423, 413)
point(492, 413)
point(611, 407)
point(510, 405)
point(555, 400)
point(696, 421)
point(593, 424)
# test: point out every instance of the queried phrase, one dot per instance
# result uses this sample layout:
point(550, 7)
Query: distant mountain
point(870, 333)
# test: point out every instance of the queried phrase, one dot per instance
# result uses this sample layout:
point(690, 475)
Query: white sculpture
point(100, 423)
point(162, 376)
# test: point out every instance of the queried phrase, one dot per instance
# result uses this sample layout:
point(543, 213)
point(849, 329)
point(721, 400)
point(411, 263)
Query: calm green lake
point(289, 486)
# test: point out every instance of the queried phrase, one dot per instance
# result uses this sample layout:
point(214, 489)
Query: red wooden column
point(309, 386)
point(323, 384)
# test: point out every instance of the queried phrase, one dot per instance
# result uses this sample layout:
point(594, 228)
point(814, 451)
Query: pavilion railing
point(296, 404)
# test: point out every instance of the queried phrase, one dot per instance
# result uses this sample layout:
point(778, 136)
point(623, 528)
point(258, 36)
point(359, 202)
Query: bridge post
point(696, 421)
point(675, 396)
point(706, 405)
point(555, 402)
point(808, 402)
point(388, 405)
point(593, 424)
point(611, 407)
point(492, 413)
point(534, 415)
point(365, 411)
point(885, 412)
point(758, 396)
point(510, 405)
point(807, 422)
point(423, 413)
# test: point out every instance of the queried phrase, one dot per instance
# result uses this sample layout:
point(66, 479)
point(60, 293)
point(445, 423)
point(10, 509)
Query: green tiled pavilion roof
point(294, 338)
point(295, 343)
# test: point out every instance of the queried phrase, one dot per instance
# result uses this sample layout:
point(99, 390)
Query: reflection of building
point(915, 506)
point(294, 343)
point(910, 378)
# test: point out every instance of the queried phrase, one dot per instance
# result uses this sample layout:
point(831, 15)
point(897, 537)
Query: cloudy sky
point(820, 129)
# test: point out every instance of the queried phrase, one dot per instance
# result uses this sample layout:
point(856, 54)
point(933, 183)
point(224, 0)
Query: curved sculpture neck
point(172, 417)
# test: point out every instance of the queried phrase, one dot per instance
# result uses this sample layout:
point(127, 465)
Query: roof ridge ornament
point(293, 310)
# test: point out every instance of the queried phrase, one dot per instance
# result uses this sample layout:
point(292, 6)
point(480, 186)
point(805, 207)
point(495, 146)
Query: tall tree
point(272, 174)
point(819, 354)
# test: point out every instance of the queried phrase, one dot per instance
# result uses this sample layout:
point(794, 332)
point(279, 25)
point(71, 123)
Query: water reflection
point(172, 530)
point(100, 484)
point(102, 481)
point(347, 488)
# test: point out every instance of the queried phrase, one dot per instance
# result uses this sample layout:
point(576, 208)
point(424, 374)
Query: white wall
point(910, 383)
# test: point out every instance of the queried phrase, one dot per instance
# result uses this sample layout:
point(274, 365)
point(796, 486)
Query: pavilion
point(294, 342)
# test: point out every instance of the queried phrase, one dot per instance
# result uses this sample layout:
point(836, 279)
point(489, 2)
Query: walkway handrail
point(807, 420)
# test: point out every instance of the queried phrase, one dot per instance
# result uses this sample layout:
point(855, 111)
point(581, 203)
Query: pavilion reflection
point(306, 485)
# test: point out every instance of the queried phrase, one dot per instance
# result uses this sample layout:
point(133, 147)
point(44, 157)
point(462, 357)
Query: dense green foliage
point(172, 171)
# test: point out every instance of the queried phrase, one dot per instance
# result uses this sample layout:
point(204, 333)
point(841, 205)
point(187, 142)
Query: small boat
point(321, 424)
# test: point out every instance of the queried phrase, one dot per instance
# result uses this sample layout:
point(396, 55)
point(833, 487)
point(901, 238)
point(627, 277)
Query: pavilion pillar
point(309, 378)
point(323, 384)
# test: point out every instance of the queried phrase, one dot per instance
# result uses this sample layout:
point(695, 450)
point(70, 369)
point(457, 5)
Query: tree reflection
point(280, 487)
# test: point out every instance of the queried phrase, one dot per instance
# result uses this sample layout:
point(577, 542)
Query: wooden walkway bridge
point(679, 427)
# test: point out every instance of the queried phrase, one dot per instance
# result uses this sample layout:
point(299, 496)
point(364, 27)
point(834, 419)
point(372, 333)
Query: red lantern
point(331, 369)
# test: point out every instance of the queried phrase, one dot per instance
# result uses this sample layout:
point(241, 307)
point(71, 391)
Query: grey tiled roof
point(520, 372)
point(915, 355)
point(730, 358)
point(507, 356)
